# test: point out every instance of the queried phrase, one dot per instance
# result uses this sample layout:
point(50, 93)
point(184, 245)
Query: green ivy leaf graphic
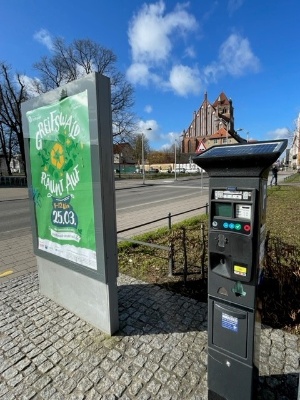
point(69, 164)
point(61, 138)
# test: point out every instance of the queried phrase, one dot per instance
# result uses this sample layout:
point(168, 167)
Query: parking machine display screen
point(223, 209)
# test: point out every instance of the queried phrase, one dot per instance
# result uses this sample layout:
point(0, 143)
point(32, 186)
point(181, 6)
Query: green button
point(238, 227)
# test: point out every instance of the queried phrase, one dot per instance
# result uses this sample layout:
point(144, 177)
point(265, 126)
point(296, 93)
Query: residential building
point(124, 159)
point(16, 165)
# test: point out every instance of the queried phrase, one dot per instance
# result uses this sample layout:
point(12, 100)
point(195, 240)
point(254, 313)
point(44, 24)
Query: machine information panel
point(243, 211)
point(232, 209)
point(235, 194)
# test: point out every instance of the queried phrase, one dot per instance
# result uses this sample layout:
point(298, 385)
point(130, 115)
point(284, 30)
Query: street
point(135, 204)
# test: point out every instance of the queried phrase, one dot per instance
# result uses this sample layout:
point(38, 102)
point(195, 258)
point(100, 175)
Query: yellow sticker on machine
point(239, 270)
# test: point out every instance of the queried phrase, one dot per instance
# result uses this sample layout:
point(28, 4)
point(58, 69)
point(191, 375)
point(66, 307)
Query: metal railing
point(170, 247)
point(168, 217)
point(13, 181)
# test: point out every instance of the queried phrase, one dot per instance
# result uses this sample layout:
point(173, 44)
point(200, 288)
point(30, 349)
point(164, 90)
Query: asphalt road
point(131, 197)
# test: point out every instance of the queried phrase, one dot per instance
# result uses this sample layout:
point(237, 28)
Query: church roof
point(222, 99)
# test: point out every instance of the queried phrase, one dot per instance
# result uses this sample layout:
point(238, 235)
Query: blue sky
point(173, 52)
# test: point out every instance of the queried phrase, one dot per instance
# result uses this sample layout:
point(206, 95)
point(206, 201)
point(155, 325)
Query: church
point(212, 124)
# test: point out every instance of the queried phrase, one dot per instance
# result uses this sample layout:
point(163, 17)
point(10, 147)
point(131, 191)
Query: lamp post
point(120, 157)
point(175, 151)
point(143, 160)
point(242, 129)
point(143, 155)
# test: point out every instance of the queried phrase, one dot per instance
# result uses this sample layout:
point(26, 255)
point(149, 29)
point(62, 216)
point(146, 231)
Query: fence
point(13, 181)
point(168, 217)
point(170, 248)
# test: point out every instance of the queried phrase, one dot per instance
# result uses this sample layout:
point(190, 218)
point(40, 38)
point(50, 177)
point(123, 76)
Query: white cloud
point(156, 59)
point(237, 57)
point(153, 34)
point(44, 37)
point(138, 73)
point(31, 85)
point(190, 52)
point(234, 5)
point(151, 31)
point(168, 140)
point(148, 109)
point(143, 127)
point(279, 133)
point(184, 80)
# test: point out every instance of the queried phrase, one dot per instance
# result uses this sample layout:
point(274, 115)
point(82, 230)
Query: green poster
point(60, 159)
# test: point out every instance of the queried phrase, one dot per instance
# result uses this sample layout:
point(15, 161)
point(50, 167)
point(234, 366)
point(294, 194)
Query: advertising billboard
point(60, 158)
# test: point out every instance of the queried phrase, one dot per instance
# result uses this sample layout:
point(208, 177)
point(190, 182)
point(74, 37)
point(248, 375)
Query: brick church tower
point(212, 124)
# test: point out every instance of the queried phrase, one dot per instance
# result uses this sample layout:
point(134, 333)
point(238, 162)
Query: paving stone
point(45, 366)
point(84, 385)
point(117, 389)
point(27, 394)
point(114, 355)
point(135, 388)
point(15, 380)
point(153, 387)
point(42, 382)
point(92, 395)
point(6, 364)
point(10, 373)
point(158, 353)
point(104, 385)
point(115, 373)
point(96, 375)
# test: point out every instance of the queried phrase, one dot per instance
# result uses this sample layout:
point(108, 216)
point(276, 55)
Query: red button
point(247, 228)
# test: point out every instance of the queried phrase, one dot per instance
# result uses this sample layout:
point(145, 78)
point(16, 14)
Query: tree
point(161, 157)
point(137, 143)
point(12, 94)
point(81, 57)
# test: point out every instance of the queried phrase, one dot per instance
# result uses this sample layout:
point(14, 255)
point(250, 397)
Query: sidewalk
point(160, 351)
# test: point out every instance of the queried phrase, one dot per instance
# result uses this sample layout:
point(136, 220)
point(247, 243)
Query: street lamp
point(120, 157)
point(247, 133)
point(175, 150)
point(143, 156)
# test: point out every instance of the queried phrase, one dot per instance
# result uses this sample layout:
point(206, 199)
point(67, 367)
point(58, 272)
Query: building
point(294, 155)
point(16, 165)
point(123, 158)
point(212, 124)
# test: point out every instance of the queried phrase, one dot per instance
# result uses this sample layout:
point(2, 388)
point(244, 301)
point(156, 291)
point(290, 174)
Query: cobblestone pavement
point(160, 351)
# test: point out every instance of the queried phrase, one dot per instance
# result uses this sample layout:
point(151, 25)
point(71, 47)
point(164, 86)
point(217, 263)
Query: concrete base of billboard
point(91, 300)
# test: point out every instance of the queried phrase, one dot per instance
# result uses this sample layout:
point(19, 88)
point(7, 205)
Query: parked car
point(179, 171)
point(193, 170)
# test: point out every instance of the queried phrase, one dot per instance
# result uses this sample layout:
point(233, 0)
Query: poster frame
point(103, 188)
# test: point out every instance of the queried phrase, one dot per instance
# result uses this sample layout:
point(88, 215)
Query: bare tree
point(137, 142)
point(9, 145)
point(12, 94)
point(81, 57)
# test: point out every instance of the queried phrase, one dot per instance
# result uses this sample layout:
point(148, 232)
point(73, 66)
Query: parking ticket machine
point(237, 198)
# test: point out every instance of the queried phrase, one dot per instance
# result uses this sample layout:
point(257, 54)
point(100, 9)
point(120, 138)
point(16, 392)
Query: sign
point(201, 147)
point(60, 160)
point(230, 322)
